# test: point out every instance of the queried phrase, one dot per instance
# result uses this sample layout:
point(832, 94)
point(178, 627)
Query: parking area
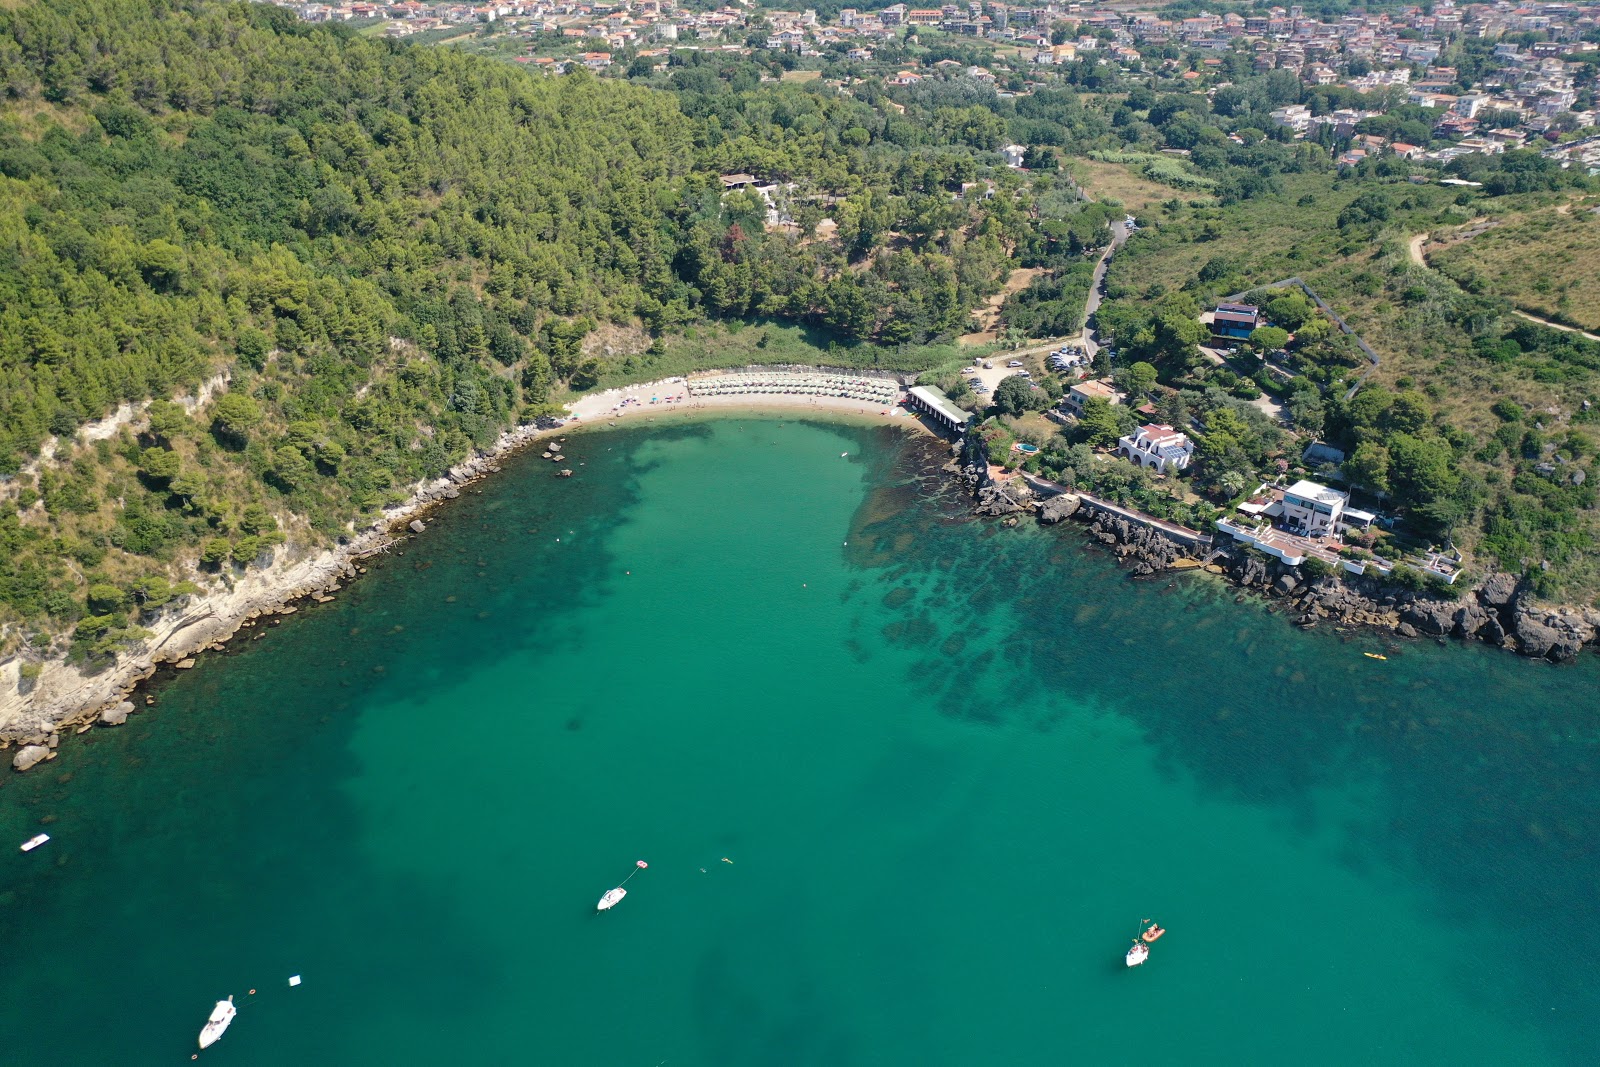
point(992, 372)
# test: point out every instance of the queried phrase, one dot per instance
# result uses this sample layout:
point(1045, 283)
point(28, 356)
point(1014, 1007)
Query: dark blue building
point(1235, 321)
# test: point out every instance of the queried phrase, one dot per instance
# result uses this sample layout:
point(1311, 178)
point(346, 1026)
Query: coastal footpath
point(1499, 611)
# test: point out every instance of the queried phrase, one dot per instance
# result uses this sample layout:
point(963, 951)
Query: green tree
point(1016, 395)
point(159, 465)
point(233, 417)
point(257, 520)
point(1100, 425)
point(1136, 379)
point(1269, 338)
point(105, 599)
point(215, 552)
point(1368, 466)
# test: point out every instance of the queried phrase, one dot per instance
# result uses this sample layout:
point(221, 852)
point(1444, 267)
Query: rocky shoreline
point(35, 713)
point(1500, 610)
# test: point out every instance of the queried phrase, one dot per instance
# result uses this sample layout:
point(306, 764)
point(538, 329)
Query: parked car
point(1015, 363)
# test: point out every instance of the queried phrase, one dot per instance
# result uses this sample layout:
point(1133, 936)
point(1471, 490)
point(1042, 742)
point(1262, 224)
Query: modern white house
point(1312, 508)
point(1158, 446)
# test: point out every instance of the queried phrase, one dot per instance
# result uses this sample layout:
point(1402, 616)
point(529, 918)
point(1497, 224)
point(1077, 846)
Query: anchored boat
point(612, 897)
point(1149, 934)
point(221, 1016)
point(34, 842)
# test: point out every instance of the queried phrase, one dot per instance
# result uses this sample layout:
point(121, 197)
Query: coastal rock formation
point(1144, 550)
point(188, 625)
point(117, 714)
point(1058, 508)
point(996, 500)
point(29, 756)
point(416, 526)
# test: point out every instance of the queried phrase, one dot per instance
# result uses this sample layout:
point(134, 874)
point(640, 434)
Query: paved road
point(1119, 234)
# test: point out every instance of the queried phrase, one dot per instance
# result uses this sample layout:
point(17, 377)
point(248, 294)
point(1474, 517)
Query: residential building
point(1235, 321)
point(1159, 446)
point(1314, 508)
point(1081, 392)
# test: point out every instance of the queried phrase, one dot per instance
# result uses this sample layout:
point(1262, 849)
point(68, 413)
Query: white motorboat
point(221, 1016)
point(34, 842)
point(1138, 953)
point(613, 897)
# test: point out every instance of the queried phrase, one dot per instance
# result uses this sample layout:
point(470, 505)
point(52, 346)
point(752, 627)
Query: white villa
point(1157, 446)
point(1311, 508)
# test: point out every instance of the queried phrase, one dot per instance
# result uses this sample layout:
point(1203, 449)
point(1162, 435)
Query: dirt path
point(1416, 249)
point(1555, 325)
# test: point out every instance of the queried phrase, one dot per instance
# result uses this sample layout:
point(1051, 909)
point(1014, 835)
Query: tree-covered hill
point(388, 254)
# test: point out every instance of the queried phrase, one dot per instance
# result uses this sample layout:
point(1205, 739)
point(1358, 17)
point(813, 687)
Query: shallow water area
point(906, 785)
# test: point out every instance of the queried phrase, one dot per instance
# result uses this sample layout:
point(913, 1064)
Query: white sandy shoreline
point(64, 697)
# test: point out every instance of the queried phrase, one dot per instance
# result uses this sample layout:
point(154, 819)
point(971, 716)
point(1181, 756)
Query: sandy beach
point(671, 395)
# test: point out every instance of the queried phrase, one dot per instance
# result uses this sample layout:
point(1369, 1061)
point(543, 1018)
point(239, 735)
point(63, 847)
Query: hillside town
point(1531, 93)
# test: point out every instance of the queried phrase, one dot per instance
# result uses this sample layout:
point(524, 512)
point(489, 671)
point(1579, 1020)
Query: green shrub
point(106, 599)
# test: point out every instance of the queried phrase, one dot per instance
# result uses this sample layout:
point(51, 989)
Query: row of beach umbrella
point(875, 389)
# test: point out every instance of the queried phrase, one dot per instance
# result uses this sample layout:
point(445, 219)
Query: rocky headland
point(1500, 610)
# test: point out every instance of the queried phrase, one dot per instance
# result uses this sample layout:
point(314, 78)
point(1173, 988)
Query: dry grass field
point(1546, 262)
point(1115, 181)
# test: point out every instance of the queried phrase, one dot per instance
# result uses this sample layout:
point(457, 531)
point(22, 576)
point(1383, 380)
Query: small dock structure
point(940, 408)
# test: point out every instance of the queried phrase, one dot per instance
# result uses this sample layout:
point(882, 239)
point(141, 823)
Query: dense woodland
point(318, 267)
point(380, 255)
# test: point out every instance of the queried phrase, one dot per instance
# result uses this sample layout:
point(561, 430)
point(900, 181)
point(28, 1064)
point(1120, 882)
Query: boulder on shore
point(417, 526)
point(1497, 591)
point(1058, 508)
point(117, 714)
point(28, 756)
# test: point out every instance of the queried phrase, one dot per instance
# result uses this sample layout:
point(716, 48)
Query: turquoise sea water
point(953, 766)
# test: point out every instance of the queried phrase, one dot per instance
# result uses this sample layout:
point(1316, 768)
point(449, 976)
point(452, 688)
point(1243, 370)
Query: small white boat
point(1138, 953)
point(34, 842)
point(221, 1016)
point(613, 897)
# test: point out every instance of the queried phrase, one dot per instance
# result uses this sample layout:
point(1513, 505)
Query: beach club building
point(938, 407)
point(1157, 446)
point(1235, 321)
